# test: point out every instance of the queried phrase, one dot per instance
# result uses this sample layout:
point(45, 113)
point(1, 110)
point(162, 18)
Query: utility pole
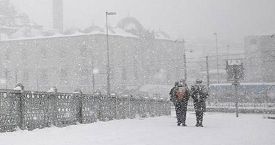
point(185, 67)
point(6, 77)
point(15, 76)
point(217, 53)
point(227, 49)
point(37, 68)
point(184, 57)
point(184, 61)
point(207, 71)
point(37, 85)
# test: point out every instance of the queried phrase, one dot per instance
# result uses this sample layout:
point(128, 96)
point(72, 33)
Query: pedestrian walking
point(199, 94)
point(180, 96)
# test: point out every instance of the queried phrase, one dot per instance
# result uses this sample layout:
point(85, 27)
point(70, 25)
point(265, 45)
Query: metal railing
point(30, 110)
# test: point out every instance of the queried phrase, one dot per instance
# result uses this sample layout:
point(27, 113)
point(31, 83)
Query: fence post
point(100, 111)
point(79, 99)
point(21, 116)
point(19, 89)
point(116, 107)
point(129, 107)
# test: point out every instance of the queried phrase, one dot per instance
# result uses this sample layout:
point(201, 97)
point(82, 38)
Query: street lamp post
point(217, 53)
point(108, 54)
point(184, 59)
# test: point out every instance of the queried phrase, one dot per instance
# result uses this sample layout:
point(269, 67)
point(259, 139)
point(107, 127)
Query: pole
point(217, 53)
point(185, 67)
point(92, 63)
point(228, 47)
point(129, 106)
point(108, 58)
point(184, 61)
point(207, 71)
point(37, 69)
point(237, 99)
point(93, 75)
point(266, 101)
point(236, 91)
point(6, 77)
point(15, 76)
point(37, 86)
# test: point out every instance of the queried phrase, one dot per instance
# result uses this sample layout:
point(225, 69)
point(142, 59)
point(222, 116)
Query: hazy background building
point(79, 61)
point(260, 58)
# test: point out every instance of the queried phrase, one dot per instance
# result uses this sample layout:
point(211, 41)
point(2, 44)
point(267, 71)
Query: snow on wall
point(67, 62)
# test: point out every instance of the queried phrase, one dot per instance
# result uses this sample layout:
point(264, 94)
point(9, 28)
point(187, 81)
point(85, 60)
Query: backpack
point(181, 93)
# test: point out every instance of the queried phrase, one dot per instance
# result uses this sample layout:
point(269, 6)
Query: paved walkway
point(220, 129)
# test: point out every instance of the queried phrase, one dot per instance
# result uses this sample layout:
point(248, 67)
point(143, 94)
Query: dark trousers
point(199, 117)
point(180, 112)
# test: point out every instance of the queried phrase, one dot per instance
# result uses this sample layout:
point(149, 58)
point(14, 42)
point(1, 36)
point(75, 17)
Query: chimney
point(58, 15)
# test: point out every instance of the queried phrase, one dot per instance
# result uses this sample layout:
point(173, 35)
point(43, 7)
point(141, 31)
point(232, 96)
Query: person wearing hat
point(199, 94)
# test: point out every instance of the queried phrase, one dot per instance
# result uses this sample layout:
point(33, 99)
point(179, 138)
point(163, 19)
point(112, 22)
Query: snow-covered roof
point(115, 32)
point(128, 27)
point(133, 26)
point(121, 32)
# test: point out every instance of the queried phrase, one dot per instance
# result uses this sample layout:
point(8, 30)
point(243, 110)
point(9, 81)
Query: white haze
point(232, 19)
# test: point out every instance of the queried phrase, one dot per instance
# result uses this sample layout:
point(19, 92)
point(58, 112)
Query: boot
point(183, 124)
point(198, 124)
point(198, 119)
point(184, 118)
point(201, 118)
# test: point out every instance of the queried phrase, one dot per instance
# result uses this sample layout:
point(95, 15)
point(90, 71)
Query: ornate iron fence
point(30, 110)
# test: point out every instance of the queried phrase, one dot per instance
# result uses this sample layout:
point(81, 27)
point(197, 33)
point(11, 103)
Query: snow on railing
point(30, 110)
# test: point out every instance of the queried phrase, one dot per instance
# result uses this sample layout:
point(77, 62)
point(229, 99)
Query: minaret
point(58, 15)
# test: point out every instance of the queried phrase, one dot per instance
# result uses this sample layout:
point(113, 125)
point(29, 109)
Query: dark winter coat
point(173, 95)
point(199, 94)
point(184, 102)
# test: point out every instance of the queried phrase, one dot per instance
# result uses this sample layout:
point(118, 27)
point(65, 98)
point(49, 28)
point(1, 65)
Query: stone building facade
point(260, 58)
point(79, 61)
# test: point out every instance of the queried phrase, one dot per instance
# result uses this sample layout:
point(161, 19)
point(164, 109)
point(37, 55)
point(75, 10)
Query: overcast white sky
point(232, 19)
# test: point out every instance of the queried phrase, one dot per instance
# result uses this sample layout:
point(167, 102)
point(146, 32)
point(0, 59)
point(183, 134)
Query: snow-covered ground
point(220, 129)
